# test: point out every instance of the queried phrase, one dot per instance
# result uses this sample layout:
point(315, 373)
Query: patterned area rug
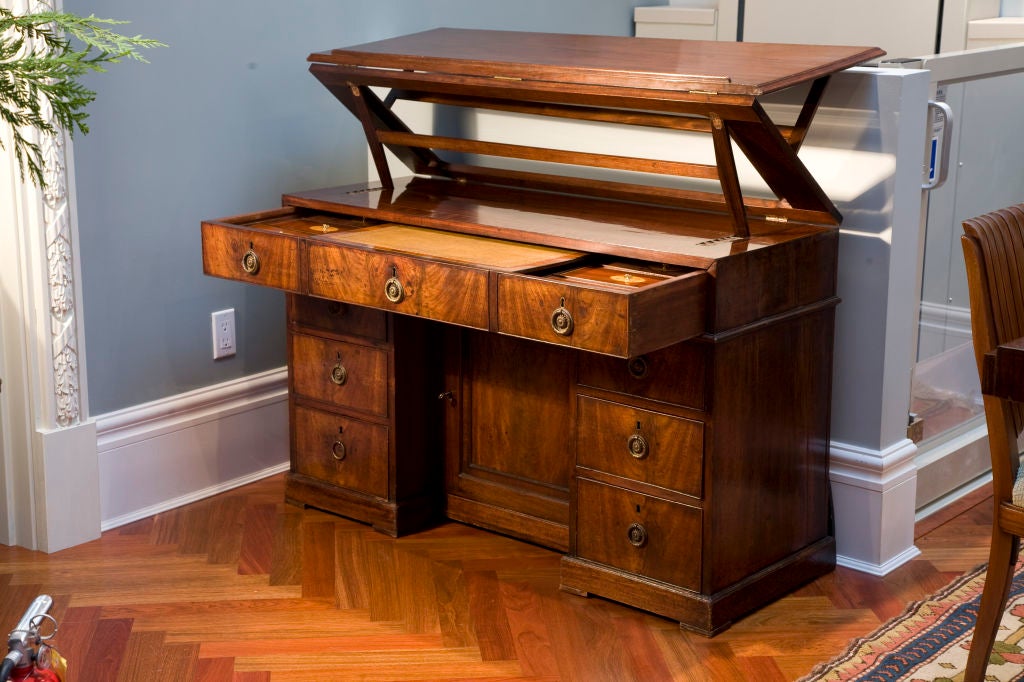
point(930, 640)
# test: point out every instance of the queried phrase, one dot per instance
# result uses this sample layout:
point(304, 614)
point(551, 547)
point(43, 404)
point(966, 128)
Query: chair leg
point(1002, 558)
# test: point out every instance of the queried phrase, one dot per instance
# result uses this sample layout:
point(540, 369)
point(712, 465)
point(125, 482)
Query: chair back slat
point(994, 255)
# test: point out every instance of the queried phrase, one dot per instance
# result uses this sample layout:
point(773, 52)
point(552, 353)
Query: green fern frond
point(39, 71)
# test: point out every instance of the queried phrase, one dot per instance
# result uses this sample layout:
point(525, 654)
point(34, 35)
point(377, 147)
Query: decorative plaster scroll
point(61, 280)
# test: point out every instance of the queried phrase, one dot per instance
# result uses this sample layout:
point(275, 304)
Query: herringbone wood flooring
point(244, 587)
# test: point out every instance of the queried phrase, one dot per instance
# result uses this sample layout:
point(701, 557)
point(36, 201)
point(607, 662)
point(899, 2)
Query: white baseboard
point(956, 463)
point(955, 495)
point(161, 455)
point(879, 570)
point(195, 496)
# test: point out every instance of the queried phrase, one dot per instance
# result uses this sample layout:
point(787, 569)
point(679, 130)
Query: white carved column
point(49, 472)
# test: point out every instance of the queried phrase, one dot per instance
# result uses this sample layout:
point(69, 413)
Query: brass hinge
point(704, 92)
point(776, 219)
point(507, 78)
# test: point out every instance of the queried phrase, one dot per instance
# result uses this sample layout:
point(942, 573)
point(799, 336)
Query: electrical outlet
point(223, 333)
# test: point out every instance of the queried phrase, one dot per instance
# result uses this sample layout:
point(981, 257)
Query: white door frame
point(48, 459)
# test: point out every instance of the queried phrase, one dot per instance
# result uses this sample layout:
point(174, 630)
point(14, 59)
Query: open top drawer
point(418, 271)
point(263, 247)
point(591, 302)
point(615, 307)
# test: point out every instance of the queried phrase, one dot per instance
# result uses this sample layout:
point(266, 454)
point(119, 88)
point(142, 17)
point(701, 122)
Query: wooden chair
point(994, 253)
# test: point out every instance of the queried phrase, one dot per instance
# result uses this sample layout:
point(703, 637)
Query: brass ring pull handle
point(637, 445)
point(637, 535)
point(339, 374)
point(447, 395)
point(251, 261)
point(338, 451)
point(393, 289)
point(561, 320)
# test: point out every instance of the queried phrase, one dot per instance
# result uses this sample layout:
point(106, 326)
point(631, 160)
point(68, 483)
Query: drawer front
point(557, 313)
point(624, 321)
point(402, 284)
point(338, 317)
point(345, 452)
point(640, 534)
point(673, 375)
point(251, 255)
point(343, 374)
point(640, 445)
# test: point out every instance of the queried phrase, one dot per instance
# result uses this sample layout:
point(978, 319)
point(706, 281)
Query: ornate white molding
point(61, 279)
point(49, 474)
point(63, 322)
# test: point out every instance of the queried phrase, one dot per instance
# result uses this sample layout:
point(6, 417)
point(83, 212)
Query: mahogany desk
point(634, 372)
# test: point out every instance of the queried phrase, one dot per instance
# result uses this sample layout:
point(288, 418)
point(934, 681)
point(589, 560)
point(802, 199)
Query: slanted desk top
point(636, 63)
point(707, 87)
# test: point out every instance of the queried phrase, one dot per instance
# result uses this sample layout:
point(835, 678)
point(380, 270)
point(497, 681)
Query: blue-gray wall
point(223, 122)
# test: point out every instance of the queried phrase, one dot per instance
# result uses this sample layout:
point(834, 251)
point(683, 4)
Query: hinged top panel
point(646, 63)
point(674, 85)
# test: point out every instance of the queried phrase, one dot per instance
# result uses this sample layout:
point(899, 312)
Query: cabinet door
point(508, 435)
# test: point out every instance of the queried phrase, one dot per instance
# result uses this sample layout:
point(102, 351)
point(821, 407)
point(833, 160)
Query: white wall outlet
point(223, 333)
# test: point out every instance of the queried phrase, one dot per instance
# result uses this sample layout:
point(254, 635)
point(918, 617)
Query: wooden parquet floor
point(245, 588)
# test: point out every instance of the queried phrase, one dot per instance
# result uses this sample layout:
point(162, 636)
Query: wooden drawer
point(640, 445)
point(337, 317)
point(343, 374)
point(345, 452)
point(417, 271)
point(640, 534)
point(263, 247)
point(674, 375)
point(621, 308)
point(402, 284)
point(258, 256)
